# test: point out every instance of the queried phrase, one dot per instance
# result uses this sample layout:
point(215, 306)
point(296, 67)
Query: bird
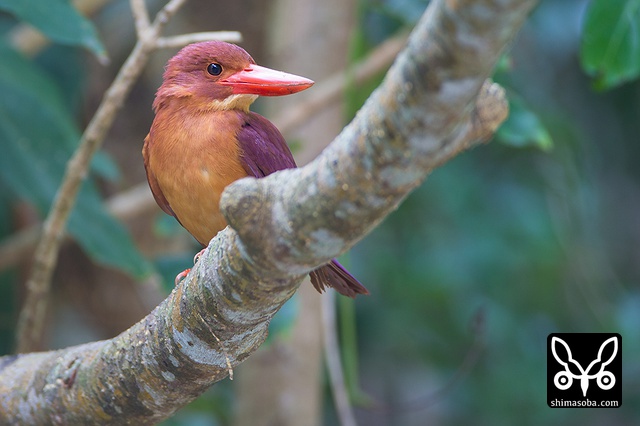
point(204, 137)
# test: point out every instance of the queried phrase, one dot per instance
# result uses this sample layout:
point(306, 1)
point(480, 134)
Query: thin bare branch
point(31, 320)
point(140, 17)
point(334, 363)
point(183, 40)
point(165, 14)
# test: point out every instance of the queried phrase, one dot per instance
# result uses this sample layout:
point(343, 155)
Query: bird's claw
point(197, 256)
point(181, 276)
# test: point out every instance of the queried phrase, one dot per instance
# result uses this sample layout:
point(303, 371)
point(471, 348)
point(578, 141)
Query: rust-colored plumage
point(204, 137)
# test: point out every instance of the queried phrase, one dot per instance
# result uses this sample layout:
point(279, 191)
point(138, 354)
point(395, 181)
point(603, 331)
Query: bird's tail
point(334, 275)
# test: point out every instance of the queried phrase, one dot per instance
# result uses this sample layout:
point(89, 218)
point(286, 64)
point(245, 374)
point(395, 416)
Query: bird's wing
point(263, 149)
point(153, 182)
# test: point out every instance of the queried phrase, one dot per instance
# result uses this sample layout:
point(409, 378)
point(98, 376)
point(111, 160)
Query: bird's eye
point(214, 69)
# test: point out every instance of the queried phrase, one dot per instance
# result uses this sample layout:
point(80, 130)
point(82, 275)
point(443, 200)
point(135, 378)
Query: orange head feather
point(187, 75)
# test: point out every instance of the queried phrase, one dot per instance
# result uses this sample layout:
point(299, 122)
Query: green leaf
point(610, 48)
point(59, 21)
point(103, 237)
point(38, 136)
point(37, 132)
point(523, 128)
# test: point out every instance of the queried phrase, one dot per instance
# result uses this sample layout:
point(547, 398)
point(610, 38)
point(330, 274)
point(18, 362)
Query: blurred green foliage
point(610, 48)
point(39, 131)
point(59, 21)
point(534, 234)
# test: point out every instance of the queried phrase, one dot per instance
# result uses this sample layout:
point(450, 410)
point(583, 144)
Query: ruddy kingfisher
point(204, 137)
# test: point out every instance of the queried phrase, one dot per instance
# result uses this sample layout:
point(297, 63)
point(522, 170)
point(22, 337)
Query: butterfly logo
point(564, 379)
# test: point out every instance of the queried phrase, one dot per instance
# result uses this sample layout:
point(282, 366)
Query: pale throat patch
point(241, 101)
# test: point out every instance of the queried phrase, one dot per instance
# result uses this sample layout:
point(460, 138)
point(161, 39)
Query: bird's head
point(216, 76)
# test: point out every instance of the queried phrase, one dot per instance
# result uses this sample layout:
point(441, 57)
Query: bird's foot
point(181, 276)
point(198, 255)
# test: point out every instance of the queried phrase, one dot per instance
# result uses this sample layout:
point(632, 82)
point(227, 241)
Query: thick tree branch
point(420, 116)
point(282, 227)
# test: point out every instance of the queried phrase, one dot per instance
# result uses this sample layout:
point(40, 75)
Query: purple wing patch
point(264, 150)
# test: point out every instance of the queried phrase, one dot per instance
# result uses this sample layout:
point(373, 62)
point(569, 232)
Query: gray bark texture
point(433, 103)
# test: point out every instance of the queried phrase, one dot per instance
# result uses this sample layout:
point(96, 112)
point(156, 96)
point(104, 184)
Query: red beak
point(257, 80)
